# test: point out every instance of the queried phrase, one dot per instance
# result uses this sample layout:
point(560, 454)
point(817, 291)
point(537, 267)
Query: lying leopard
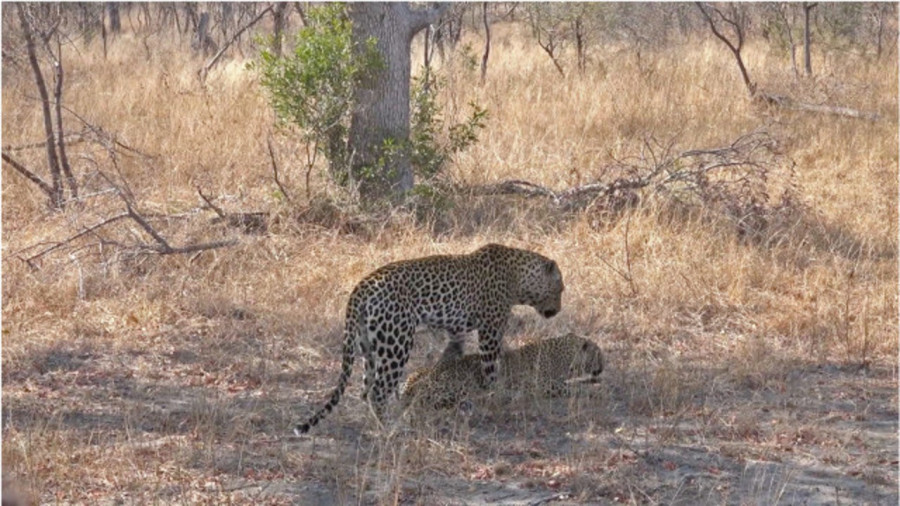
point(541, 368)
point(457, 293)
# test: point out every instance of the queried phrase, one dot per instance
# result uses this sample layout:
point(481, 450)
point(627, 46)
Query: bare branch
point(70, 138)
point(83, 233)
point(163, 244)
point(515, 187)
point(212, 61)
point(106, 138)
point(60, 141)
point(275, 169)
point(735, 49)
point(46, 188)
point(254, 222)
point(212, 206)
point(733, 180)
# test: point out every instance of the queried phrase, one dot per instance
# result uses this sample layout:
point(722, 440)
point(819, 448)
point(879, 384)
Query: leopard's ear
point(550, 267)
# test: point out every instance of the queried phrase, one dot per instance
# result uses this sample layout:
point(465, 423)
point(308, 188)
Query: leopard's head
point(541, 285)
point(588, 359)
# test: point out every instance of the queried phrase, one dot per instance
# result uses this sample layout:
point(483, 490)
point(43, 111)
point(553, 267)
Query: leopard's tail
point(350, 338)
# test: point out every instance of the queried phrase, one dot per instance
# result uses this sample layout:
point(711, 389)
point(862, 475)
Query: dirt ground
point(197, 420)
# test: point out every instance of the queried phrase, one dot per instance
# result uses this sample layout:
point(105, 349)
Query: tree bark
point(60, 133)
point(278, 15)
point(56, 198)
point(115, 22)
point(227, 18)
point(579, 43)
point(380, 115)
point(807, 61)
point(487, 41)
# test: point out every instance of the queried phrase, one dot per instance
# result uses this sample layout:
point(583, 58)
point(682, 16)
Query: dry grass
point(734, 366)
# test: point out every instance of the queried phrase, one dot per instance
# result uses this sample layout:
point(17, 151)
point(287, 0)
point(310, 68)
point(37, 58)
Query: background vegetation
point(749, 315)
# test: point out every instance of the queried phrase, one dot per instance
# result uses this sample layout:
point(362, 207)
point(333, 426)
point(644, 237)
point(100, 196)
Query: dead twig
point(88, 230)
point(212, 206)
point(255, 222)
point(275, 170)
point(626, 275)
point(70, 138)
point(105, 138)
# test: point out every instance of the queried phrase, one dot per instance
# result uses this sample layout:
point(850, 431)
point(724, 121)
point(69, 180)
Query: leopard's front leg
point(490, 343)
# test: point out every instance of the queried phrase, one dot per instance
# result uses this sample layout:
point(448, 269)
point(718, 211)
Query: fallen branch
point(515, 187)
point(570, 198)
point(192, 248)
point(733, 178)
point(790, 103)
point(77, 236)
point(254, 222)
point(162, 246)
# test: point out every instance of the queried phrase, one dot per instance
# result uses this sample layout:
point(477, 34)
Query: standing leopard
point(541, 368)
point(457, 293)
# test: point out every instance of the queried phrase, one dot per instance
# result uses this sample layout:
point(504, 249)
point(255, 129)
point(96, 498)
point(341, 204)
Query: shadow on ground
point(220, 405)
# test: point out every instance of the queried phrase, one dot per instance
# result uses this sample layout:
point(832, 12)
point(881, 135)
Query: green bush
point(431, 146)
point(312, 88)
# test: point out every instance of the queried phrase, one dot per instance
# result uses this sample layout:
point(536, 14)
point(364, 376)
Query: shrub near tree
point(347, 87)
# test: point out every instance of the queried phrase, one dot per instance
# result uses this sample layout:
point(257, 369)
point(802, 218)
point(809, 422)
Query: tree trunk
point(579, 43)
point(807, 62)
point(115, 22)
point(190, 14)
point(56, 198)
point(881, 11)
point(60, 132)
point(379, 121)
point(202, 41)
point(227, 19)
point(487, 41)
point(278, 13)
point(103, 31)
